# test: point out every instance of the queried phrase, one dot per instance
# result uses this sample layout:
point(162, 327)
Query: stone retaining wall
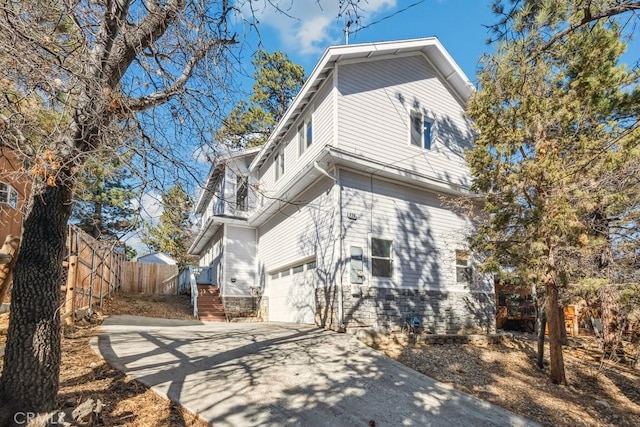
point(240, 306)
point(439, 312)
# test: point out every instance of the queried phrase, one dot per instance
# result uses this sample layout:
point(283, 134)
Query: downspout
point(341, 326)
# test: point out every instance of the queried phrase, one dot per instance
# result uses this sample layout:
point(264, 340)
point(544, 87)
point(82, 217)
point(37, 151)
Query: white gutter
point(341, 326)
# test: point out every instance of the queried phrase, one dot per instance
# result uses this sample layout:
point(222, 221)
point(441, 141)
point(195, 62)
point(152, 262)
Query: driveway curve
point(276, 374)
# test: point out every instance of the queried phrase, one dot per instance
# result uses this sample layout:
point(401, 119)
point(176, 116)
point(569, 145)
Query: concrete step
point(209, 318)
point(211, 313)
point(211, 307)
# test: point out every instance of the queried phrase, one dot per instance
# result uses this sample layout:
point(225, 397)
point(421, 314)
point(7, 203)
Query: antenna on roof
point(346, 31)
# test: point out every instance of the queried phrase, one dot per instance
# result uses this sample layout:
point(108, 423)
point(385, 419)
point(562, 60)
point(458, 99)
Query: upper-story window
point(305, 135)
point(8, 195)
point(242, 192)
point(421, 130)
point(279, 164)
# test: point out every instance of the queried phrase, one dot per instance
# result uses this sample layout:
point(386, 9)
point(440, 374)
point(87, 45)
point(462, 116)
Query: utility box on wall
point(356, 264)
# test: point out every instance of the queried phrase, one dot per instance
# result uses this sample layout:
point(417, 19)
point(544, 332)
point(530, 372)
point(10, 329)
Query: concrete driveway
point(276, 374)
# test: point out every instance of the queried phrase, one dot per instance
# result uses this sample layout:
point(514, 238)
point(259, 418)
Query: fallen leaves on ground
point(84, 374)
point(600, 393)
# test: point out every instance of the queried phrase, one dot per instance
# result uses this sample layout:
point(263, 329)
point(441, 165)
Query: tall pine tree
point(277, 81)
point(102, 203)
point(548, 116)
point(172, 234)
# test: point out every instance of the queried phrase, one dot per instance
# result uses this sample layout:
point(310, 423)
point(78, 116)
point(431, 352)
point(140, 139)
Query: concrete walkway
point(276, 374)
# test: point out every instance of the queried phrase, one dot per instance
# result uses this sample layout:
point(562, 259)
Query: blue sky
point(313, 25)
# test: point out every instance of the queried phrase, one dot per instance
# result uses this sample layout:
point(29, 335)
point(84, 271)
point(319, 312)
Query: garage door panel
point(292, 299)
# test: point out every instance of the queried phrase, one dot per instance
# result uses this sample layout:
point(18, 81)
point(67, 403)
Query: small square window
point(275, 276)
point(285, 273)
point(298, 269)
point(311, 265)
point(8, 195)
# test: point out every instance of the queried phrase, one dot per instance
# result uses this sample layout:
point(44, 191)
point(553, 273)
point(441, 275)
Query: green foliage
point(277, 81)
point(172, 234)
point(102, 205)
point(552, 145)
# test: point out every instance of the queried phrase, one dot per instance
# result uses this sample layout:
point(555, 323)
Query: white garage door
point(292, 297)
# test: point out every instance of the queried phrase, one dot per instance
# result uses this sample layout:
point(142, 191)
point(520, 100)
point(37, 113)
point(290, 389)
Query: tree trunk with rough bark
point(541, 325)
point(556, 361)
point(30, 377)
point(564, 340)
point(612, 322)
point(10, 248)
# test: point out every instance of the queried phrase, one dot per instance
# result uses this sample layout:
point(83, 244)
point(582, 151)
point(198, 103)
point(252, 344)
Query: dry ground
point(600, 394)
point(84, 374)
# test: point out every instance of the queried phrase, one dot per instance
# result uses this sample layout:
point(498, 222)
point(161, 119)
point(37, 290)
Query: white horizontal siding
point(239, 260)
point(322, 112)
point(425, 233)
point(375, 101)
point(301, 229)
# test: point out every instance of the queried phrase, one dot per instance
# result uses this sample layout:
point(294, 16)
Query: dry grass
point(599, 394)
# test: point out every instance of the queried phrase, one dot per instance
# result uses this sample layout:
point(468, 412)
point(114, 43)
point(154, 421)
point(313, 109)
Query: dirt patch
point(600, 393)
point(83, 374)
point(162, 306)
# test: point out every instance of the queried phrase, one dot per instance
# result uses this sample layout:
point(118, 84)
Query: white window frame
point(278, 161)
point(305, 134)
point(391, 257)
point(8, 195)
point(242, 204)
point(426, 144)
point(463, 255)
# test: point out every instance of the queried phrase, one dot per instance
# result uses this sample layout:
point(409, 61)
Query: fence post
point(71, 285)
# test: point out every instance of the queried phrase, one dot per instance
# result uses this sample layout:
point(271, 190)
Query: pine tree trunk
point(564, 340)
point(30, 378)
point(96, 226)
point(556, 361)
point(612, 321)
point(541, 325)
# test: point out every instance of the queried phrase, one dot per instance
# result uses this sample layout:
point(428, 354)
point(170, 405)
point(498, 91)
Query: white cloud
point(310, 26)
point(151, 208)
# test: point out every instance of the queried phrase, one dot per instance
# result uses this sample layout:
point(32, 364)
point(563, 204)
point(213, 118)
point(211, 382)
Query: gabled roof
point(431, 47)
point(156, 258)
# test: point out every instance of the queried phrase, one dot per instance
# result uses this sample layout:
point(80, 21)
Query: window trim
point(242, 182)
point(9, 196)
point(278, 161)
point(425, 144)
point(391, 257)
point(304, 134)
point(459, 254)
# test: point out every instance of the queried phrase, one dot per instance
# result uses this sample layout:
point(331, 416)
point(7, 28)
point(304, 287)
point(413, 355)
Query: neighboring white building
point(341, 218)
point(156, 258)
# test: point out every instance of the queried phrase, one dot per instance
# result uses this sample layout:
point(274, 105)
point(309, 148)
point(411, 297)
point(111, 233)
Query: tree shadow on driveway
point(284, 374)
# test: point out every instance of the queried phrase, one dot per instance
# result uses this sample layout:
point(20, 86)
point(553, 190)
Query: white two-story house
point(342, 218)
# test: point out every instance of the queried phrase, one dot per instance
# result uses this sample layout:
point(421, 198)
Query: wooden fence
point(95, 270)
point(150, 278)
